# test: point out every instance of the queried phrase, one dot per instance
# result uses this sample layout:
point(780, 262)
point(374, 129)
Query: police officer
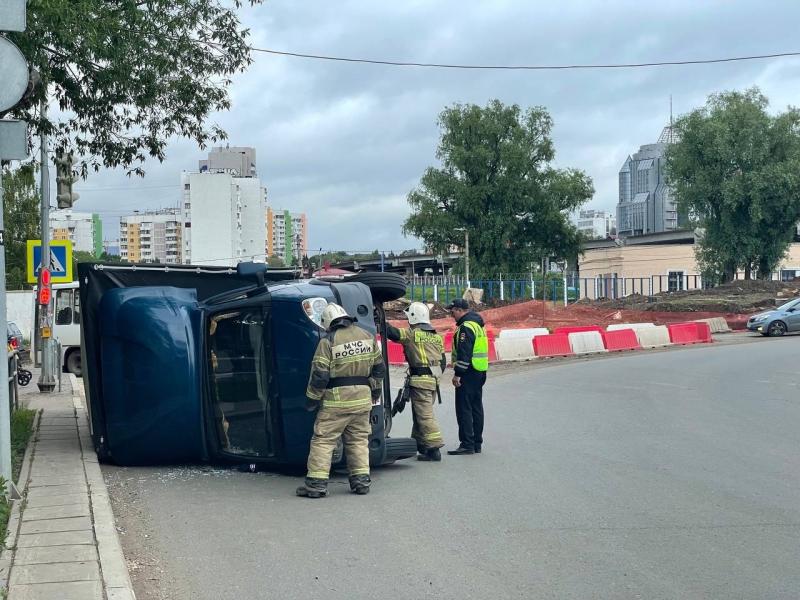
point(424, 352)
point(470, 363)
point(346, 377)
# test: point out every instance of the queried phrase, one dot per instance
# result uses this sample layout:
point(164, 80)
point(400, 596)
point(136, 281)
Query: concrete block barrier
point(577, 329)
point(704, 333)
point(623, 339)
point(586, 342)
point(395, 352)
point(653, 337)
point(716, 324)
point(552, 345)
point(621, 326)
point(514, 348)
point(683, 333)
point(523, 333)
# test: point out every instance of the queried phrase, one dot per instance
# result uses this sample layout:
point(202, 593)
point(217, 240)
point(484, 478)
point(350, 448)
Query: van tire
point(385, 287)
point(73, 362)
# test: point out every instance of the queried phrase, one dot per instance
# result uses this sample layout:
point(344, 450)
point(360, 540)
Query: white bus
point(66, 325)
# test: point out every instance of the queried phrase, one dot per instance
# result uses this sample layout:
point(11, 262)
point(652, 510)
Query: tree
point(497, 182)
point(129, 75)
point(275, 262)
point(21, 217)
point(735, 170)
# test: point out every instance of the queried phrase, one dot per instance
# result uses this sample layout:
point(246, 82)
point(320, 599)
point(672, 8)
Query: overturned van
point(186, 364)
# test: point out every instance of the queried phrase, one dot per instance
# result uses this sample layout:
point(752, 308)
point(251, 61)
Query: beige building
point(151, 237)
point(651, 264)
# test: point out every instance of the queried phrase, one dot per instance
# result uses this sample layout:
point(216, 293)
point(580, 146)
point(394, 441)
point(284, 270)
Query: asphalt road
point(651, 475)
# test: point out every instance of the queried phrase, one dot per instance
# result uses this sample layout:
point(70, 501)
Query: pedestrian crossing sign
point(60, 261)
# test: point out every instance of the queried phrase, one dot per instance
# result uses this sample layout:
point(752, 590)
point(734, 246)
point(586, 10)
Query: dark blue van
point(187, 363)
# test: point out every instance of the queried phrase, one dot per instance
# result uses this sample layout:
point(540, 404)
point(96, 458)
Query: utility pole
point(13, 146)
point(47, 379)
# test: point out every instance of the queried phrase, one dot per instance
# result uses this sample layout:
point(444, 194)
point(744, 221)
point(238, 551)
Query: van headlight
point(313, 308)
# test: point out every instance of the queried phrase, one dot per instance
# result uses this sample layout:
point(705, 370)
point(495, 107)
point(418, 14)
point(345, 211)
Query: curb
point(14, 519)
point(116, 579)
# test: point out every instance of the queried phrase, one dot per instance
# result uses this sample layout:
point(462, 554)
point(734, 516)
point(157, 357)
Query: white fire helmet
point(417, 312)
point(331, 313)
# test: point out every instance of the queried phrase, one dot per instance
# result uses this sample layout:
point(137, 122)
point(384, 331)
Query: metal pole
point(466, 250)
point(5, 409)
point(46, 381)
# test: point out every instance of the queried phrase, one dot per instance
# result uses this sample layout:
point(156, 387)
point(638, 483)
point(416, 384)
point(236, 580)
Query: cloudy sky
point(346, 142)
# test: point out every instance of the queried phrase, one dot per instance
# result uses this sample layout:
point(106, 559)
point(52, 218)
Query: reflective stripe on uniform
point(338, 403)
point(318, 474)
point(360, 471)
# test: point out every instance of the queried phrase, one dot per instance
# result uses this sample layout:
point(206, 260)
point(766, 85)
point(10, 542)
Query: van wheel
point(385, 287)
point(74, 363)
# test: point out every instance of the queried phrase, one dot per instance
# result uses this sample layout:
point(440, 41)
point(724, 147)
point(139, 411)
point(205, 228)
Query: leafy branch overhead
point(496, 181)
point(129, 75)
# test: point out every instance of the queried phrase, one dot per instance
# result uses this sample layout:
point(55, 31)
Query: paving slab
point(56, 572)
point(55, 525)
point(57, 500)
point(55, 512)
point(75, 590)
point(58, 490)
point(68, 545)
point(54, 481)
point(59, 538)
point(55, 554)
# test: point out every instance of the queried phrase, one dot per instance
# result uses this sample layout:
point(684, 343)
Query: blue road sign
point(60, 260)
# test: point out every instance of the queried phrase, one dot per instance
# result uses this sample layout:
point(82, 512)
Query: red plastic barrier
point(555, 344)
point(577, 329)
point(396, 354)
point(622, 339)
point(704, 332)
point(448, 341)
point(684, 333)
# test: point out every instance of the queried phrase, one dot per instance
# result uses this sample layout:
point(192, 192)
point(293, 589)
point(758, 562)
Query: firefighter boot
point(359, 484)
point(430, 455)
point(313, 488)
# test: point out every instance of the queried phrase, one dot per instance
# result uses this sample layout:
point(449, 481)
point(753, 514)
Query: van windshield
point(238, 364)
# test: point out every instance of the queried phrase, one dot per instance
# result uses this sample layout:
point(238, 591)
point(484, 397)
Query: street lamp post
point(466, 253)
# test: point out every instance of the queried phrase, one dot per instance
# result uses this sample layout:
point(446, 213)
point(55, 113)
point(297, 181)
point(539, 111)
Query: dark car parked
point(15, 337)
point(211, 364)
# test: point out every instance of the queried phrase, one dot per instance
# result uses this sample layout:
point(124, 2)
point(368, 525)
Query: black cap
point(459, 303)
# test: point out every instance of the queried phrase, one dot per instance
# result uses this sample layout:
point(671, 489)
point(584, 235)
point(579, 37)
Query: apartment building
point(84, 230)
point(151, 237)
point(287, 235)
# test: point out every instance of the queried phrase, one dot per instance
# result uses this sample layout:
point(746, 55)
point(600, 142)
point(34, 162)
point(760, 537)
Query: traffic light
point(64, 179)
point(44, 287)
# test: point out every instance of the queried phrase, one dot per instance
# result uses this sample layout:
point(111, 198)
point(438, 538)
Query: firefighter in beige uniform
point(424, 352)
point(346, 375)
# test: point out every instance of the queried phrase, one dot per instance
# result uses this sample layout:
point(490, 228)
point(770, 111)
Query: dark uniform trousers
point(469, 409)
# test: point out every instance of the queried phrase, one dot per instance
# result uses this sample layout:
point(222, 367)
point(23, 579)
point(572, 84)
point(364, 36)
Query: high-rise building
point(111, 247)
point(287, 236)
point(646, 204)
point(223, 209)
point(151, 237)
point(84, 230)
point(596, 224)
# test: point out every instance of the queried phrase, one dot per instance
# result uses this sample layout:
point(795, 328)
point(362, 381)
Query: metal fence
point(445, 289)
point(565, 289)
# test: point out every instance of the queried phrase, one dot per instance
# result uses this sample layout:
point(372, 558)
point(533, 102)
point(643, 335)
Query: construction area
point(734, 301)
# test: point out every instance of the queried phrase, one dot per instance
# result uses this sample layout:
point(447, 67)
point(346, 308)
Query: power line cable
point(587, 66)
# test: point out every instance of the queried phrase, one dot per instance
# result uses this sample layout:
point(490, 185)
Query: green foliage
point(21, 429)
point(736, 171)
point(496, 181)
point(129, 75)
point(21, 218)
point(275, 261)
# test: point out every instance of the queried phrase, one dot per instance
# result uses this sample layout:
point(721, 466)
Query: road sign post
point(14, 78)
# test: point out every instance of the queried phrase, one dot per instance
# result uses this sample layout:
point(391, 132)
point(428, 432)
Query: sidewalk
point(62, 542)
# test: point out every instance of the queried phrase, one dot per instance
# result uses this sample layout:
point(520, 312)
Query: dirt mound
point(741, 297)
point(536, 314)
